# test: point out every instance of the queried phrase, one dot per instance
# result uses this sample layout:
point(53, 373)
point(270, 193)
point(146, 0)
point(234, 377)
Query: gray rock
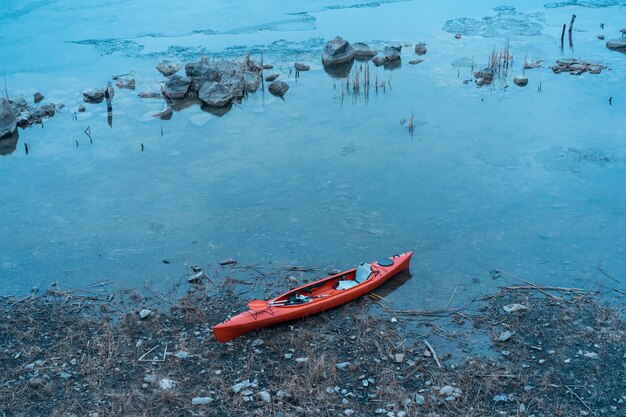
point(8, 143)
point(234, 83)
point(378, 61)
point(8, 118)
point(201, 400)
point(601, 37)
point(244, 384)
point(513, 308)
point(521, 81)
point(144, 313)
point(500, 398)
point(93, 95)
point(37, 97)
point(337, 51)
point(481, 81)
point(268, 66)
point(251, 81)
point(342, 365)
point(150, 94)
point(19, 104)
point(617, 44)
point(363, 51)
point(419, 399)
point(257, 342)
point(278, 88)
point(487, 74)
point(128, 83)
point(64, 375)
point(176, 87)
point(392, 52)
point(301, 67)
point(504, 336)
point(272, 77)
point(416, 61)
point(265, 396)
point(215, 94)
point(47, 110)
point(420, 48)
point(168, 68)
point(81, 108)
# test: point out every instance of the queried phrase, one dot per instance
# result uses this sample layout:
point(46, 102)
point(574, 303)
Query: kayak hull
point(323, 295)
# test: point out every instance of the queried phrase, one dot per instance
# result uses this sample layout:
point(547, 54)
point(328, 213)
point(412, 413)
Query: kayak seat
point(363, 273)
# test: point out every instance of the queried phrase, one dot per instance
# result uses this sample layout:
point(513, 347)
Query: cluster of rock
point(576, 67)
point(484, 77)
point(338, 51)
point(17, 112)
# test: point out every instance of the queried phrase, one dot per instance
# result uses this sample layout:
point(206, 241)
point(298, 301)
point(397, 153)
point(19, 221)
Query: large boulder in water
point(234, 83)
point(8, 143)
point(617, 44)
point(363, 51)
point(176, 86)
point(8, 119)
point(392, 52)
point(215, 94)
point(336, 52)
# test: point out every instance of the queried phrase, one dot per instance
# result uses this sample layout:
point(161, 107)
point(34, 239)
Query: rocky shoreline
point(551, 351)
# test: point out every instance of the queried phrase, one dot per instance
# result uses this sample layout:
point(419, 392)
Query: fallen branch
point(432, 351)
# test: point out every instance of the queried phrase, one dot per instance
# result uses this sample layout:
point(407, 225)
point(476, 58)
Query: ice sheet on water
point(585, 3)
point(507, 21)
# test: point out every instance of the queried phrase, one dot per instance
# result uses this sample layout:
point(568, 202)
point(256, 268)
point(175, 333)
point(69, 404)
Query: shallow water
point(520, 180)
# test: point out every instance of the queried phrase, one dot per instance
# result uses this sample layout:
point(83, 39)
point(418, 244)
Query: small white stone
point(144, 313)
point(399, 357)
point(512, 308)
point(182, 355)
point(201, 400)
point(342, 365)
point(419, 399)
point(288, 355)
point(167, 383)
point(394, 320)
point(302, 360)
point(504, 336)
point(265, 396)
point(348, 412)
point(257, 342)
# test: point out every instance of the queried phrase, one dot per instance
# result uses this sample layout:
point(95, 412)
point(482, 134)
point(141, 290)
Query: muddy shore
point(550, 351)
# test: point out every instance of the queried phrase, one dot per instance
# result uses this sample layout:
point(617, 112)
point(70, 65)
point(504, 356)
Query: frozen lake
point(525, 180)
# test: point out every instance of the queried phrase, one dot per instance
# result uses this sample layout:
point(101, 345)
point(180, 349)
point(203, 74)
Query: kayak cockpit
point(326, 287)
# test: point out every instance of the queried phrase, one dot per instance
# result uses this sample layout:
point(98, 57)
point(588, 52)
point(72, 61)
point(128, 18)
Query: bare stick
point(432, 351)
point(562, 35)
point(452, 296)
point(576, 395)
point(607, 275)
point(571, 25)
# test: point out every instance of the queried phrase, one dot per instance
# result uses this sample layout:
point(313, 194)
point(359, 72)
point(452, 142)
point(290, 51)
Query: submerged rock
point(165, 114)
point(337, 51)
point(251, 81)
point(128, 83)
point(81, 108)
point(363, 51)
point(8, 119)
point(529, 64)
point(176, 86)
point(37, 97)
point(520, 81)
point(150, 94)
point(272, 77)
point(93, 95)
point(168, 68)
point(416, 61)
point(8, 143)
point(278, 88)
point(301, 67)
point(420, 48)
point(392, 52)
point(617, 44)
point(215, 94)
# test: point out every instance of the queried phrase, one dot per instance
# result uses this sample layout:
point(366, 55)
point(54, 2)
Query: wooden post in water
point(562, 35)
point(571, 26)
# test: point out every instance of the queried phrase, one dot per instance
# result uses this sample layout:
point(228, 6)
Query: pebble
point(591, 355)
point(64, 375)
point(81, 108)
point(288, 355)
point(257, 342)
point(512, 308)
point(504, 336)
point(302, 360)
point(201, 400)
point(182, 355)
point(244, 384)
point(394, 320)
point(500, 398)
point(228, 261)
point(399, 357)
point(419, 399)
point(265, 396)
point(568, 360)
point(505, 353)
point(144, 313)
point(520, 81)
point(167, 383)
point(343, 365)
point(73, 362)
point(348, 412)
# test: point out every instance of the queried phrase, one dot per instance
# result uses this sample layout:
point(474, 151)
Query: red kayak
point(313, 298)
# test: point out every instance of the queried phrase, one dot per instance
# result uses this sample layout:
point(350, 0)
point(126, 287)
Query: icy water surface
point(525, 180)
